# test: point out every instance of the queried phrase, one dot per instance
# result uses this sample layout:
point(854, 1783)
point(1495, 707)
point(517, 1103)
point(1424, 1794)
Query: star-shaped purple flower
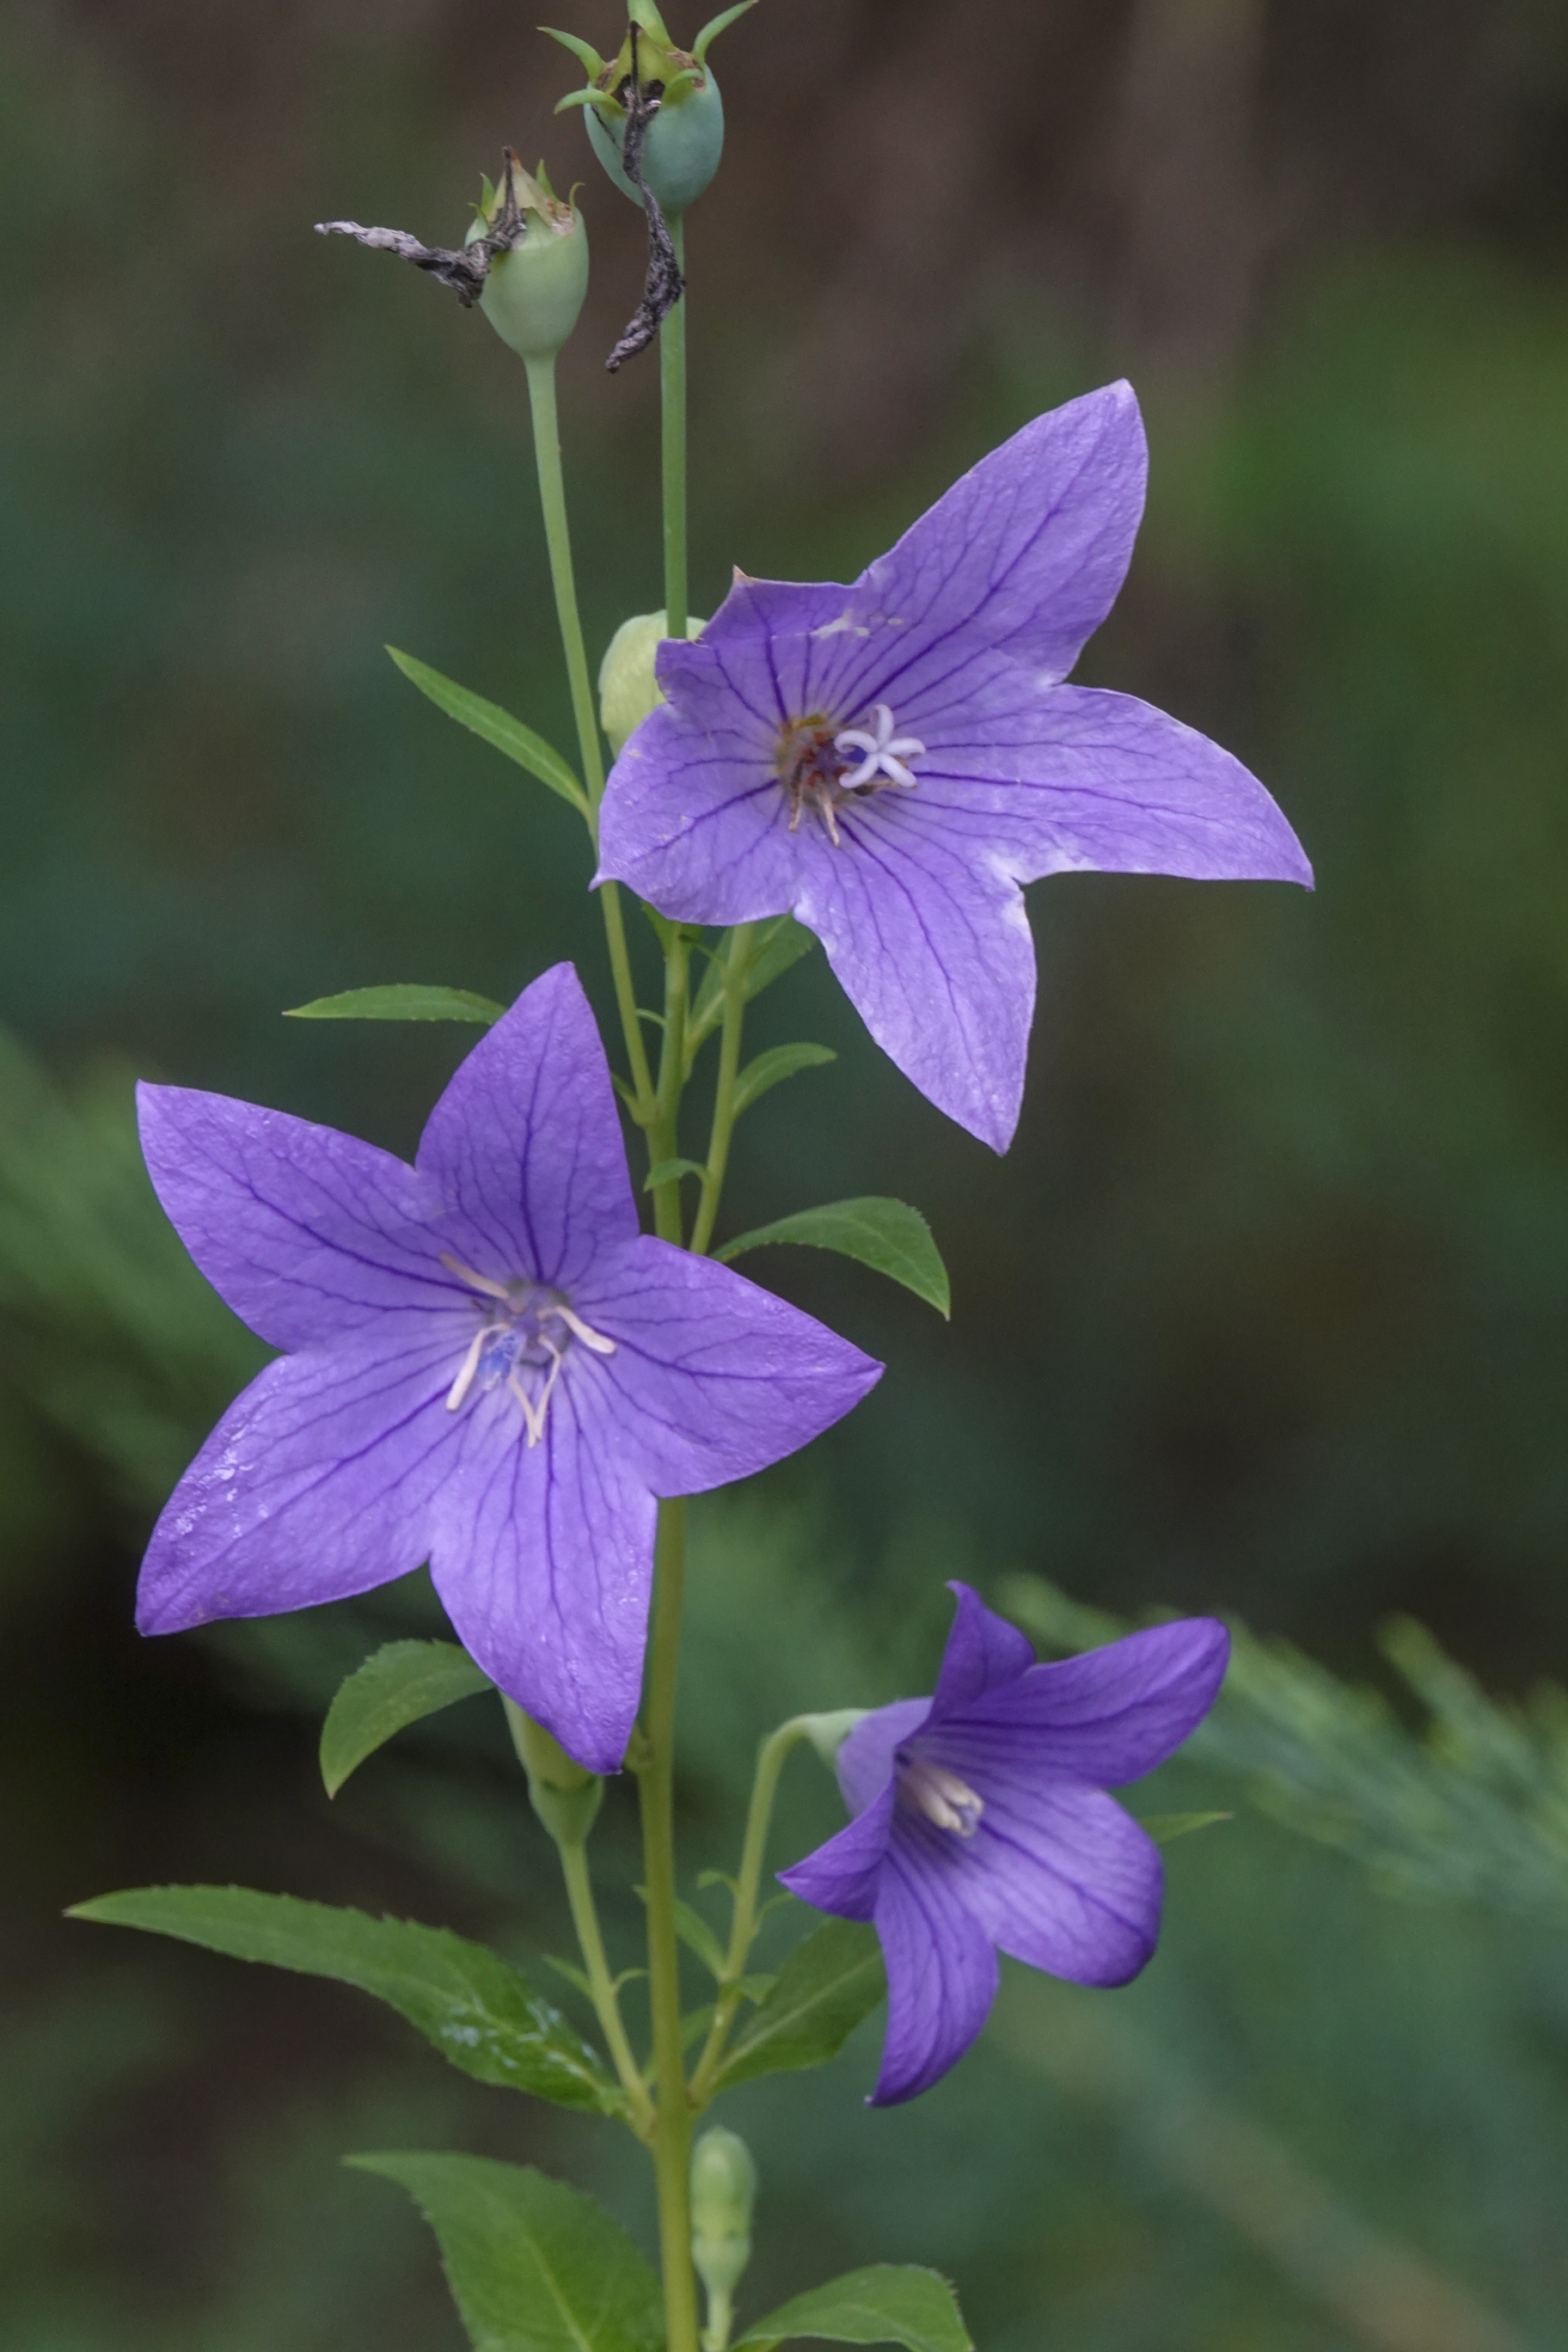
point(890, 761)
point(981, 1823)
point(489, 1367)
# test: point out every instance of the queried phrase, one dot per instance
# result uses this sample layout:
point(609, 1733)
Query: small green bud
point(565, 1794)
point(538, 275)
point(723, 2191)
point(629, 689)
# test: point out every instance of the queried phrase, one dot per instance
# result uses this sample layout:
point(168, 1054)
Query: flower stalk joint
point(565, 1794)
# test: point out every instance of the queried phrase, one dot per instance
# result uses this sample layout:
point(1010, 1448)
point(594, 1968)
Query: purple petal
point(1025, 553)
point(695, 816)
point(983, 1653)
point(712, 1378)
point(544, 1557)
point(843, 1875)
point(930, 941)
point(1056, 1876)
point(526, 1141)
point(942, 1970)
point(1105, 1717)
point(317, 1483)
point(801, 615)
point(305, 1233)
point(865, 1760)
point(1074, 778)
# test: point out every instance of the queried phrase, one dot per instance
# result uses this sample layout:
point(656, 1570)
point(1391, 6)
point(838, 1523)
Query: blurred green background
point(1265, 1311)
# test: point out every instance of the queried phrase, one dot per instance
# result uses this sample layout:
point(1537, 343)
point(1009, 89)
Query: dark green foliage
point(480, 2013)
point(402, 1683)
point(887, 1235)
point(534, 2265)
point(879, 2305)
point(828, 1986)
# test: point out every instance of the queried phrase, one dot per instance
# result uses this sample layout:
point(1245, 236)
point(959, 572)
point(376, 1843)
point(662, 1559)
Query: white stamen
point(883, 753)
point(525, 1309)
point(941, 1796)
point(465, 1380)
point(585, 1331)
point(534, 1414)
point(480, 1282)
point(531, 1412)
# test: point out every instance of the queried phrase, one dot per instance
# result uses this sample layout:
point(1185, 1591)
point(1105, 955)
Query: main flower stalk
point(672, 2128)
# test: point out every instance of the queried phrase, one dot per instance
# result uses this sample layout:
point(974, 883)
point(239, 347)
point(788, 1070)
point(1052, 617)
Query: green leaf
point(402, 1000)
point(887, 1235)
point(400, 1685)
point(1163, 1827)
point(668, 1171)
point(776, 946)
point(497, 727)
point(715, 26)
point(828, 1985)
point(534, 2265)
point(887, 2304)
point(778, 1061)
point(698, 1937)
point(480, 2011)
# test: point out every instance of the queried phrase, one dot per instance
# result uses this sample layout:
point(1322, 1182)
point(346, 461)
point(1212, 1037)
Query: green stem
point(664, 1133)
point(672, 2127)
point(607, 2003)
point(558, 539)
point(723, 1127)
point(770, 1758)
point(672, 390)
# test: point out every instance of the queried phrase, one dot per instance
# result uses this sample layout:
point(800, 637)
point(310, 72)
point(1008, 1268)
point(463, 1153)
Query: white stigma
point(941, 1796)
point(513, 1340)
point(883, 753)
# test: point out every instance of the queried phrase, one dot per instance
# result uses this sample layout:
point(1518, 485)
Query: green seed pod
point(685, 137)
point(629, 689)
point(534, 289)
point(723, 2191)
point(565, 1795)
point(685, 141)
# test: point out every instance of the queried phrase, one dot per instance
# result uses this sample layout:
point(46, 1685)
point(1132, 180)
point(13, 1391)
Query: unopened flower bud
point(723, 2191)
point(629, 689)
point(565, 1794)
point(538, 275)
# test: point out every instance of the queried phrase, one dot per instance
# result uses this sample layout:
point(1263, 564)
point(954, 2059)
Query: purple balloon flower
point(489, 1367)
point(890, 761)
point(982, 1825)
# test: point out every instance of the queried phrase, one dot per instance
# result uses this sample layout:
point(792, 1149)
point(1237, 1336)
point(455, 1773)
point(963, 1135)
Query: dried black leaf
point(664, 285)
point(465, 268)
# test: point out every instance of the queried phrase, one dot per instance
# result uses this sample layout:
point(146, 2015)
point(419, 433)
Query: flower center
point(821, 765)
point(525, 1331)
point(931, 1789)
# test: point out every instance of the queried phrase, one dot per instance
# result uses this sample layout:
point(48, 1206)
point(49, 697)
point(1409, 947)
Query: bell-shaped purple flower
point(890, 761)
point(982, 1823)
point(489, 1367)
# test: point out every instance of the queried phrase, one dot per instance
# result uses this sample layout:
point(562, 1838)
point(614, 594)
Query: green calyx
point(685, 135)
point(565, 1794)
point(538, 274)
